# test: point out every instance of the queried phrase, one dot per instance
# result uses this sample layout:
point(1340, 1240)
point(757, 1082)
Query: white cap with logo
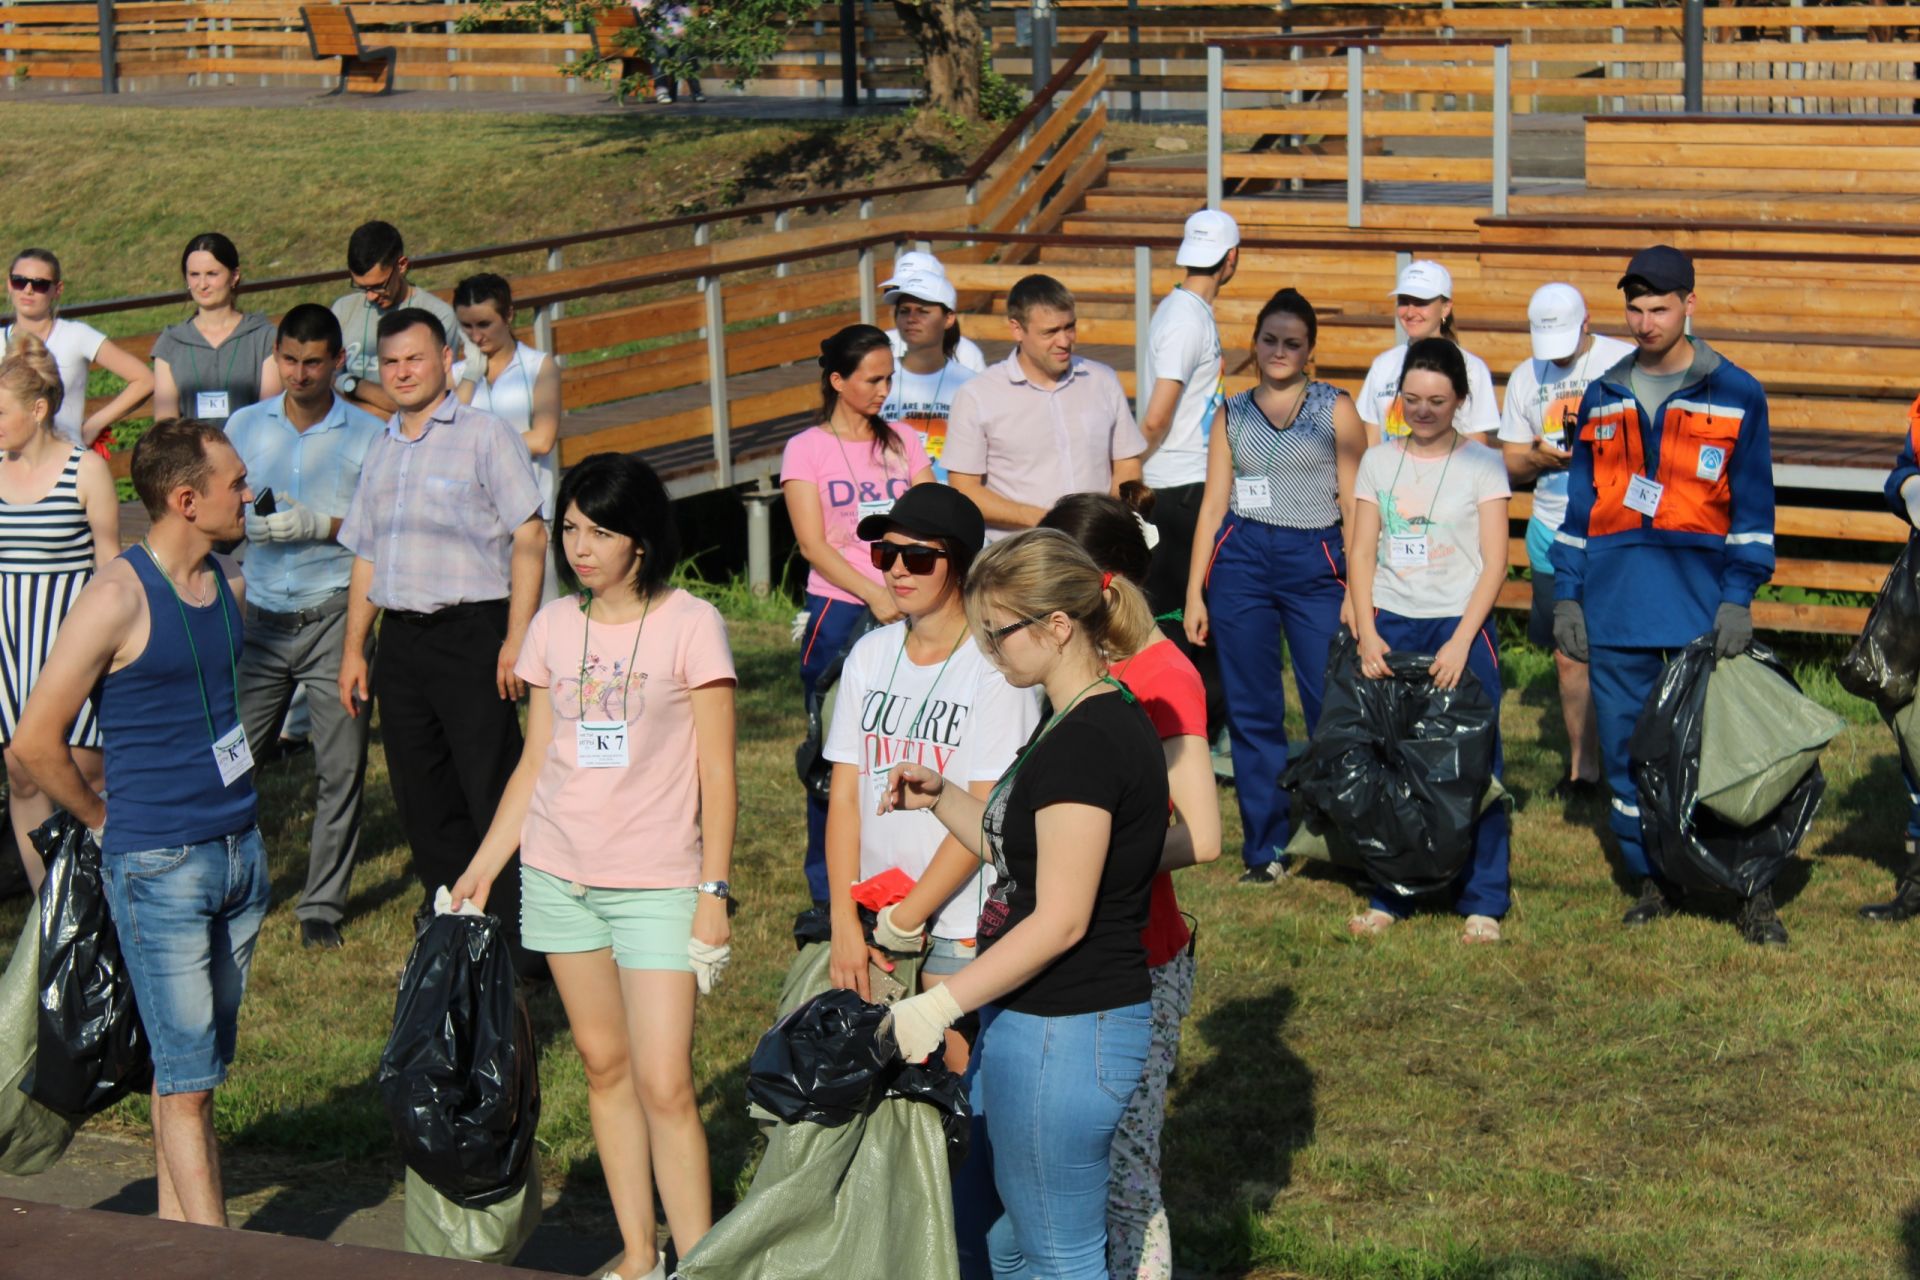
point(925, 286)
point(1555, 318)
point(1208, 236)
point(1423, 279)
point(913, 263)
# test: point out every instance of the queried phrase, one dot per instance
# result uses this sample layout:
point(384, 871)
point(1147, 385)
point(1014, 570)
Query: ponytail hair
point(841, 354)
point(29, 372)
point(1042, 572)
point(1447, 329)
point(1107, 530)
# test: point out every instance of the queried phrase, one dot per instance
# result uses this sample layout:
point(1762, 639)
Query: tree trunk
point(951, 40)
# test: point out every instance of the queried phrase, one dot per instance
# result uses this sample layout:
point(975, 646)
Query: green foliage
point(682, 41)
point(1000, 98)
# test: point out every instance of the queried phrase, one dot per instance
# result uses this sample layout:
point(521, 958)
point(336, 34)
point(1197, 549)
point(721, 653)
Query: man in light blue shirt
point(306, 447)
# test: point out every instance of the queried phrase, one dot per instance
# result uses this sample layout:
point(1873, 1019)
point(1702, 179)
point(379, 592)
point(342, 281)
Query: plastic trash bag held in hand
point(458, 1076)
point(1742, 727)
point(1884, 664)
point(92, 1050)
point(1397, 771)
point(32, 1136)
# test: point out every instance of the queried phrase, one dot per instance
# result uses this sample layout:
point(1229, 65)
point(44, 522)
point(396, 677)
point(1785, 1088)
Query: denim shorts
point(647, 928)
point(187, 917)
point(948, 956)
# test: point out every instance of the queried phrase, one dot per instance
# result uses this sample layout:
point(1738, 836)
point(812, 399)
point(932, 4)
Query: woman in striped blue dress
point(59, 523)
point(1269, 559)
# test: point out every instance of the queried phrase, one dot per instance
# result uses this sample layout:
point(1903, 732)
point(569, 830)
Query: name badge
point(232, 756)
point(209, 404)
point(1643, 495)
point(878, 507)
point(1713, 461)
point(600, 744)
point(1407, 550)
point(1253, 491)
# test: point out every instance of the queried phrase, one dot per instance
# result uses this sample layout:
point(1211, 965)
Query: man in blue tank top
point(159, 632)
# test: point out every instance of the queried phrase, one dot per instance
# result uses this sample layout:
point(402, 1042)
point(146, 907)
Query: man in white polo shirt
point(1187, 371)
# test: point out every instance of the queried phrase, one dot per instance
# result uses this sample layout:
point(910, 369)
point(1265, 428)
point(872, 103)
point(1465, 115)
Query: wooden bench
point(1830, 155)
point(608, 23)
point(332, 33)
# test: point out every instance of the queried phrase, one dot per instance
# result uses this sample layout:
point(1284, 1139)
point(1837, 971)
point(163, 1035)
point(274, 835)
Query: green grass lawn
point(1579, 1102)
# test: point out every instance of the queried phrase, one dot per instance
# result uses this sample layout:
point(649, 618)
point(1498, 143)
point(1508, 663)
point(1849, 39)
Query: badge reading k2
point(1713, 461)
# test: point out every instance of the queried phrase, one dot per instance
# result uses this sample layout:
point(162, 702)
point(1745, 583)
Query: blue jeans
point(1052, 1091)
point(830, 624)
point(1265, 581)
point(1483, 887)
point(187, 917)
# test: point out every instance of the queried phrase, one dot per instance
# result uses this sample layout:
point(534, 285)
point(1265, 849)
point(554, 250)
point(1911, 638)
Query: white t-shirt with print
point(965, 721)
point(1543, 403)
point(1379, 401)
point(72, 344)
point(1429, 554)
point(923, 402)
point(966, 351)
point(1183, 344)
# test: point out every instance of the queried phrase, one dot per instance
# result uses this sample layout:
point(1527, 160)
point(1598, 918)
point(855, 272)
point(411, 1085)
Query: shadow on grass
point(1910, 1241)
point(1875, 810)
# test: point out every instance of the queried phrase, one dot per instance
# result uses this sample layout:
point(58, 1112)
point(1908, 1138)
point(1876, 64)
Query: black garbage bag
point(1397, 771)
point(458, 1076)
point(92, 1050)
point(1687, 842)
point(825, 1062)
point(1884, 664)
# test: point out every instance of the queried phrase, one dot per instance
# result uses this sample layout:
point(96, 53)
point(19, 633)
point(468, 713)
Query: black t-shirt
point(1104, 753)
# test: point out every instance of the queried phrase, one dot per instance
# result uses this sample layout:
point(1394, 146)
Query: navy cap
point(930, 511)
point(1663, 267)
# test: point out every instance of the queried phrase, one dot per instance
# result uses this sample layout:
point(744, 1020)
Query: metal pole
point(1356, 139)
point(1694, 40)
point(760, 537)
point(869, 304)
point(1401, 261)
point(717, 383)
point(1133, 59)
point(849, 56)
point(1216, 104)
point(109, 50)
point(1142, 311)
point(1042, 46)
point(556, 259)
point(780, 271)
point(1502, 128)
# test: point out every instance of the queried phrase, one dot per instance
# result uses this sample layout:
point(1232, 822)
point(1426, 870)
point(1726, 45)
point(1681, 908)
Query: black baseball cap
point(1664, 269)
point(930, 511)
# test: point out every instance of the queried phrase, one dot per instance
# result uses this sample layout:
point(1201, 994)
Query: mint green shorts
point(647, 928)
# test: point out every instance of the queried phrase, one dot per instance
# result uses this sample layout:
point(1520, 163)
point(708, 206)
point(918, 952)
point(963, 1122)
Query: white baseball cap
point(1555, 317)
point(925, 286)
point(1208, 236)
point(913, 263)
point(1425, 280)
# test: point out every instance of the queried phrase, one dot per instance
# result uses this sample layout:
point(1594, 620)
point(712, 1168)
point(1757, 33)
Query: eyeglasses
point(32, 284)
point(995, 636)
point(919, 560)
point(378, 285)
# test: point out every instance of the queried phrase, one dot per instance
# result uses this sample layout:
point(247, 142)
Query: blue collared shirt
point(318, 468)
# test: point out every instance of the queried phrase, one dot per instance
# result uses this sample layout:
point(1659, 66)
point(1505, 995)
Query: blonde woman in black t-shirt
point(1074, 830)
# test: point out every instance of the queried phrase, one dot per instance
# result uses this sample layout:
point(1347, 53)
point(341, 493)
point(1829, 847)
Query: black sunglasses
point(32, 284)
point(995, 636)
point(919, 560)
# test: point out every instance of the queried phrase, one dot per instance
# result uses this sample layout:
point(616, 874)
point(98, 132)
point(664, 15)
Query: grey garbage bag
point(1759, 738)
point(32, 1136)
point(496, 1232)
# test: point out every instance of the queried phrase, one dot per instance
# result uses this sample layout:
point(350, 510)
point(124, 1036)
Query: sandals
point(1480, 929)
point(1370, 923)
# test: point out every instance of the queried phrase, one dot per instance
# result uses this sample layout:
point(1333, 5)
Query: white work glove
point(474, 367)
point(257, 528)
point(1147, 531)
point(443, 904)
point(1910, 494)
point(293, 522)
point(888, 938)
point(709, 962)
point(920, 1023)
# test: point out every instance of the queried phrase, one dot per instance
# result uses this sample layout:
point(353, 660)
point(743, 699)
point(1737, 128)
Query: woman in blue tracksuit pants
point(1268, 559)
point(1429, 555)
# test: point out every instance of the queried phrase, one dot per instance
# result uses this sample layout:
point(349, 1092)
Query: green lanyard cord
point(1005, 782)
point(1434, 502)
point(626, 681)
point(206, 706)
point(926, 697)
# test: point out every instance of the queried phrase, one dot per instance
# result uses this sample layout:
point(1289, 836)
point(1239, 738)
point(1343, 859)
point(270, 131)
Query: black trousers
point(452, 741)
point(1175, 512)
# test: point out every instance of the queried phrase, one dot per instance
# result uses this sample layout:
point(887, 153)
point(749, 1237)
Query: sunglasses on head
point(919, 560)
point(32, 284)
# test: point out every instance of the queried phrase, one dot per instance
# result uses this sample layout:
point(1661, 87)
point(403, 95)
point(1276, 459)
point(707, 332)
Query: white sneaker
point(659, 1272)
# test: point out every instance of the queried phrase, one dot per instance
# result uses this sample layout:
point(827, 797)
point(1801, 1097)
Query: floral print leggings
point(1139, 1242)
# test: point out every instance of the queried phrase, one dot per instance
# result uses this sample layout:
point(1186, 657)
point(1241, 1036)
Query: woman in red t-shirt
point(1139, 1244)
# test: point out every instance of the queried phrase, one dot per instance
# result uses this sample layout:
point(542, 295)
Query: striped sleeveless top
point(1299, 462)
point(51, 535)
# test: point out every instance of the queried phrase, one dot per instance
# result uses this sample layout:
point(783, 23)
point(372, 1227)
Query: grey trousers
point(303, 651)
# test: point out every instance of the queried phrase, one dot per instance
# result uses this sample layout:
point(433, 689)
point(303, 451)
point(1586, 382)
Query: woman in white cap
point(928, 370)
point(916, 263)
point(1423, 304)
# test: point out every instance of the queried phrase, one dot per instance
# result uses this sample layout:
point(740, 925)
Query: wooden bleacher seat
point(607, 26)
point(332, 33)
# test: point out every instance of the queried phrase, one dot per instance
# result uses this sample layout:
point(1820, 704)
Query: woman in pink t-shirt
point(834, 475)
point(623, 809)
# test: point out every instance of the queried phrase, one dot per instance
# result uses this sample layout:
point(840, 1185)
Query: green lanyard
point(1006, 779)
point(206, 706)
point(1434, 503)
point(626, 681)
point(925, 697)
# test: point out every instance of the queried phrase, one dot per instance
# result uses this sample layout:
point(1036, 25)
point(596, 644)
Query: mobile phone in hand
point(263, 503)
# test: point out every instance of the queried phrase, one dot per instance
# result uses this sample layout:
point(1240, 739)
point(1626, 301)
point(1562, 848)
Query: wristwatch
point(718, 888)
